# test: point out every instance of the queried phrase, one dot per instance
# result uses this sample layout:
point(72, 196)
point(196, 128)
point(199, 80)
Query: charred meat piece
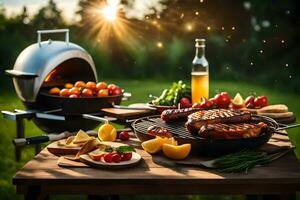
point(232, 131)
point(177, 114)
point(159, 131)
point(204, 117)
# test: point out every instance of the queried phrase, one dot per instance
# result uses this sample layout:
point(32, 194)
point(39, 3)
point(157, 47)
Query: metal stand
point(19, 116)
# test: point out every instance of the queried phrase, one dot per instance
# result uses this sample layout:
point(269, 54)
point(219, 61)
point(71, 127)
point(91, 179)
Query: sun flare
point(110, 11)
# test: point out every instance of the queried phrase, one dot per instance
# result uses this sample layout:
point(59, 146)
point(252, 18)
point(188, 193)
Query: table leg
point(34, 193)
point(20, 134)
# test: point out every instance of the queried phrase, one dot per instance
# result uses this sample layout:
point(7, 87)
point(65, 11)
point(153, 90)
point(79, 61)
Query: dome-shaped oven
point(48, 63)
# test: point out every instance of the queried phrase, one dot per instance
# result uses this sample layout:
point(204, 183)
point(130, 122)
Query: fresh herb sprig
point(242, 161)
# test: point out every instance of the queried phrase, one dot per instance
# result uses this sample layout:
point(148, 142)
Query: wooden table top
point(159, 175)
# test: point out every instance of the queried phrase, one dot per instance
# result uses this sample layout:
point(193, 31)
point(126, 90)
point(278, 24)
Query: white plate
point(102, 164)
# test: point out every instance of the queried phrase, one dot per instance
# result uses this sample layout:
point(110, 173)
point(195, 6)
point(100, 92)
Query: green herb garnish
point(171, 96)
point(124, 149)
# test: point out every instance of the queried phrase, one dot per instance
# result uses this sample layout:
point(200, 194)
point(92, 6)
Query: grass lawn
point(140, 91)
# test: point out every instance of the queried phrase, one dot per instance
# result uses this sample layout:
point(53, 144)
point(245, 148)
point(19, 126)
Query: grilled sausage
point(177, 114)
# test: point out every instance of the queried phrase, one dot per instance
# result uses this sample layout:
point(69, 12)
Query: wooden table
point(42, 176)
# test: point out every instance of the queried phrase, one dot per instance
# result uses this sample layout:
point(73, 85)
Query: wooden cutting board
point(56, 149)
point(125, 114)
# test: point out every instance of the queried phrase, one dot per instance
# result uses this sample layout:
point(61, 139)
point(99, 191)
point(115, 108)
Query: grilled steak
point(159, 131)
point(177, 114)
point(232, 131)
point(204, 117)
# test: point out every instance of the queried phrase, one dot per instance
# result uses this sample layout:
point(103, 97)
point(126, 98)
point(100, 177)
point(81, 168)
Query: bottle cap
point(200, 43)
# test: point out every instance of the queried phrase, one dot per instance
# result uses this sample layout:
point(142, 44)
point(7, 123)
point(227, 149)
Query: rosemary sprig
point(242, 161)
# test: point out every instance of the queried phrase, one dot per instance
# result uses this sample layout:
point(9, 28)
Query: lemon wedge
point(238, 101)
point(178, 152)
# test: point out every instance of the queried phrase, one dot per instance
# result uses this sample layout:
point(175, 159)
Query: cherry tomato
point(73, 96)
point(54, 91)
point(79, 84)
point(249, 102)
point(222, 100)
point(115, 91)
point(108, 157)
point(206, 103)
point(90, 85)
point(261, 101)
point(101, 85)
point(64, 93)
point(185, 102)
point(96, 157)
point(112, 86)
point(116, 158)
point(87, 93)
point(124, 135)
point(68, 85)
point(126, 156)
point(74, 90)
point(102, 93)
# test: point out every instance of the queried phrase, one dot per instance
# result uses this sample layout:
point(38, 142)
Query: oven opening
point(69, 71)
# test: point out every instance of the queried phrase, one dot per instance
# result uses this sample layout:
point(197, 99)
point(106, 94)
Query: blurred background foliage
point(252, 41)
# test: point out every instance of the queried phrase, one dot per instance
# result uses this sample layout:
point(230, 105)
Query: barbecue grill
point(48, 64)
point(202, 145)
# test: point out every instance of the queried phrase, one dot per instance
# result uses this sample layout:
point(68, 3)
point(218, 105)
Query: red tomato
point(115, 91)
point(222, 100)
point(108, 157)
point(206, 103)
point(74, 90)
point(101, 85)
point(90, 85)
point(124, 135)
point(102, 93)
point(87, 93)
point(126, 156)
point(249, 102)
point(54, 91)
point(112, 86)
point(185, 102)
point(64, 93)
point(73, 96)
point(261, 101)
point(96, 157)
point(79, 84)
point(68, 85)
point(116, 158)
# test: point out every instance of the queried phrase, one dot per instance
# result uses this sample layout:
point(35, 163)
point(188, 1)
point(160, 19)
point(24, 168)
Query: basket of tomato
point(81, 97)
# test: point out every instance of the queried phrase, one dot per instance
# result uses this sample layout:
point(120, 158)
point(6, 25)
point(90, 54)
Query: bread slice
point(278, 108)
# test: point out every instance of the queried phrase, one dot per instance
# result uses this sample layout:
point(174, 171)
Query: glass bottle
point(200, 73)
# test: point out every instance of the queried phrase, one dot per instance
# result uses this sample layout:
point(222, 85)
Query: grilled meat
point(159, 131)
point(204, 117)
point(177, 114)
point(232, 131)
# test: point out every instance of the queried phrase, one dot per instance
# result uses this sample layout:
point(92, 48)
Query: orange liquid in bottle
point(200, 86)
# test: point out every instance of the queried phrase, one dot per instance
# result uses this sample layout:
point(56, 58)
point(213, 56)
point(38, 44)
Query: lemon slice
point(107, 132)
point(176, 152)
point(81, 137)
